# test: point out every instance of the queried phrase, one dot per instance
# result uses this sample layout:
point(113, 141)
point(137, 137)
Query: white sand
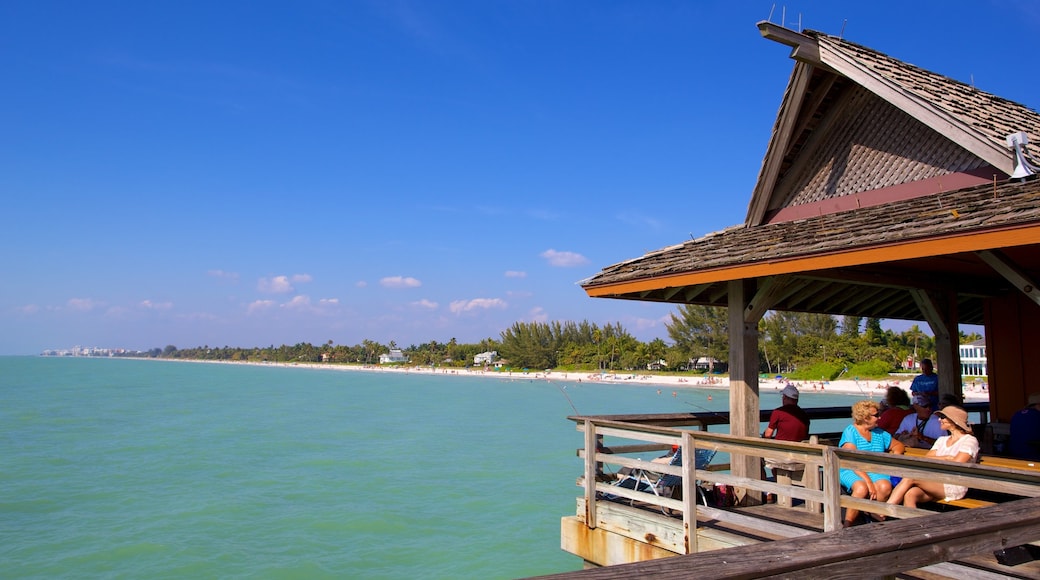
point(843, 386)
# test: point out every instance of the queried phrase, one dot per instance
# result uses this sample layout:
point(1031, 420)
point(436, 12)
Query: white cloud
point(460, 306)
point(425, 304)
point(361, 284)
point(400, 282)
point(298, 303)
point(81, 304)
point(29, 309)
point(259, 306)
point(276, 285)
point(538, 314)
point(149, 305)
point(564, 259)
point(328, 302)
point(301, 278)
point(515, 274)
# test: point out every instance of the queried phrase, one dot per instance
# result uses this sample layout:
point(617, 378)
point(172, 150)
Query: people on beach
point(897, 407)
point(960, 446)
point(927, 383)
point(1024, 437)
point(864, 435)
point(919, 429)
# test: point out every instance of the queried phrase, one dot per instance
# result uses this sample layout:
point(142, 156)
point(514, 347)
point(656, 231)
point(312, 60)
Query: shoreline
point(972, 393)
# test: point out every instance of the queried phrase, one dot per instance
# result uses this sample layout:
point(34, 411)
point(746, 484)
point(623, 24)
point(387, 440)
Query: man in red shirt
point(788, 422)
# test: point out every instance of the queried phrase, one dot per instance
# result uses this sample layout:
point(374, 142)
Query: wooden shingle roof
point(991, 116)
point(900, 245)
point(855, 120)
point(892, 123)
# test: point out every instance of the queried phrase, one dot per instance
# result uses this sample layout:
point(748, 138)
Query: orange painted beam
point(933, 247)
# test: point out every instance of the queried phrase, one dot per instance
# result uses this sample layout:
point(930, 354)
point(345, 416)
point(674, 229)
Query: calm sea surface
point(158, 469)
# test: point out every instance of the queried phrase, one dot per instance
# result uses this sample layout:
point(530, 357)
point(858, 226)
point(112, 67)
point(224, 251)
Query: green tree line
point(797, 344)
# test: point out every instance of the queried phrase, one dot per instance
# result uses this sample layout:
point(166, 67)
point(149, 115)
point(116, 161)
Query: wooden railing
point(619, 435)
point(930, 545)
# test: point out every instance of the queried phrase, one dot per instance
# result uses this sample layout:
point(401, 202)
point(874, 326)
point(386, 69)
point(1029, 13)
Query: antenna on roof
point(1025, 165)
point(841, 35)
point(770, 19)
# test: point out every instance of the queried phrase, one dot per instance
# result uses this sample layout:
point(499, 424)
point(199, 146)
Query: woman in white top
point(960, 446)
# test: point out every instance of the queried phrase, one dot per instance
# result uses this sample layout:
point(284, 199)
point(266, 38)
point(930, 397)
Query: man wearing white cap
point(788, 422)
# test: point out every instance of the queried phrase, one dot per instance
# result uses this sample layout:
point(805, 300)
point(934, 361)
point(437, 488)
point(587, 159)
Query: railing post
point(591, 449)
point(831, 491)
point(689, 492)
point(811, 478)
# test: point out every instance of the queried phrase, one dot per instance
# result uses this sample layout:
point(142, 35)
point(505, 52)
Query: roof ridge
point(818, 35)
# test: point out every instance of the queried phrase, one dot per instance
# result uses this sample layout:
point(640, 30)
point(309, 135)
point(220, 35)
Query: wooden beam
point(778, 144)
point(917, 107)
point(927, 248)
point(770, 291)
point(1011, 272)
point(940, 310)
point(806, 48)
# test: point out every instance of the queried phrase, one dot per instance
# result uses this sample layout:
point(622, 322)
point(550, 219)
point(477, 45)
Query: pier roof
point(881, 180)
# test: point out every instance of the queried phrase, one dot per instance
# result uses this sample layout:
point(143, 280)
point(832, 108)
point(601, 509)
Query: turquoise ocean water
point(158, 469)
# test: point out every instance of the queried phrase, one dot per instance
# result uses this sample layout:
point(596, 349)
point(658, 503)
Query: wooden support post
point(812, 479)
point(689, 492)
point(831, 491)
point(743, 380)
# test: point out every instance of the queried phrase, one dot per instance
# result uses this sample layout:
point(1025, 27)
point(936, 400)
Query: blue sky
point(256, 173)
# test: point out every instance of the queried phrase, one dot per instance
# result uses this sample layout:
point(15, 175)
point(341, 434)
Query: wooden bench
point(795, 474)
point(988, 461)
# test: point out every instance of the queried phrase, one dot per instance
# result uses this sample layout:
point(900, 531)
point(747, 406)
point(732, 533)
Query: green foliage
point(700, 331)
point(871, 369)
point(798, 345)
point(820, 371)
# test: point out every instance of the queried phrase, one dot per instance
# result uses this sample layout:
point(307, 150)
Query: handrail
point(829, 459)
point(705, 419)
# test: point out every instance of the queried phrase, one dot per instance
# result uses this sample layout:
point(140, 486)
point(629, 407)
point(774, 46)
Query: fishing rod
point(568, 397)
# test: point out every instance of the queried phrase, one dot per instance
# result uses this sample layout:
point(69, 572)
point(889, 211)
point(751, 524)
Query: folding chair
point(649, 481)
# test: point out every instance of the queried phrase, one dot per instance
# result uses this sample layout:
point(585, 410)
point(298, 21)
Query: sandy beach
point(876, 388)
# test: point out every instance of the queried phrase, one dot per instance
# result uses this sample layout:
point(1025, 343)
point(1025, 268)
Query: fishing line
point(568, 397)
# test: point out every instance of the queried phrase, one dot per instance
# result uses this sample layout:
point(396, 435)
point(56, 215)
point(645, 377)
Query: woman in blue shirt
point(864, 435)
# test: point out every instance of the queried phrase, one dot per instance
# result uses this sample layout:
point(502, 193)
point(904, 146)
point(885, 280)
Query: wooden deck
point(644, 527)
point(958, 544)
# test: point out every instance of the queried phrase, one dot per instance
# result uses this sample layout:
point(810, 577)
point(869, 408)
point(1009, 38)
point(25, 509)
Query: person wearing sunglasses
point(864, 435)
point(960, 446)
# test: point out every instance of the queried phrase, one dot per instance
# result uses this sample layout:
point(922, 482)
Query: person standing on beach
point(927, 383)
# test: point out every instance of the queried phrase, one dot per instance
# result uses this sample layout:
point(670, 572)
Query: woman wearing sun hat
point(960, 446)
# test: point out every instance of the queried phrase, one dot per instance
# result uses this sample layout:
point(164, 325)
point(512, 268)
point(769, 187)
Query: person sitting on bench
point(864, 434)
point(960, 445)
